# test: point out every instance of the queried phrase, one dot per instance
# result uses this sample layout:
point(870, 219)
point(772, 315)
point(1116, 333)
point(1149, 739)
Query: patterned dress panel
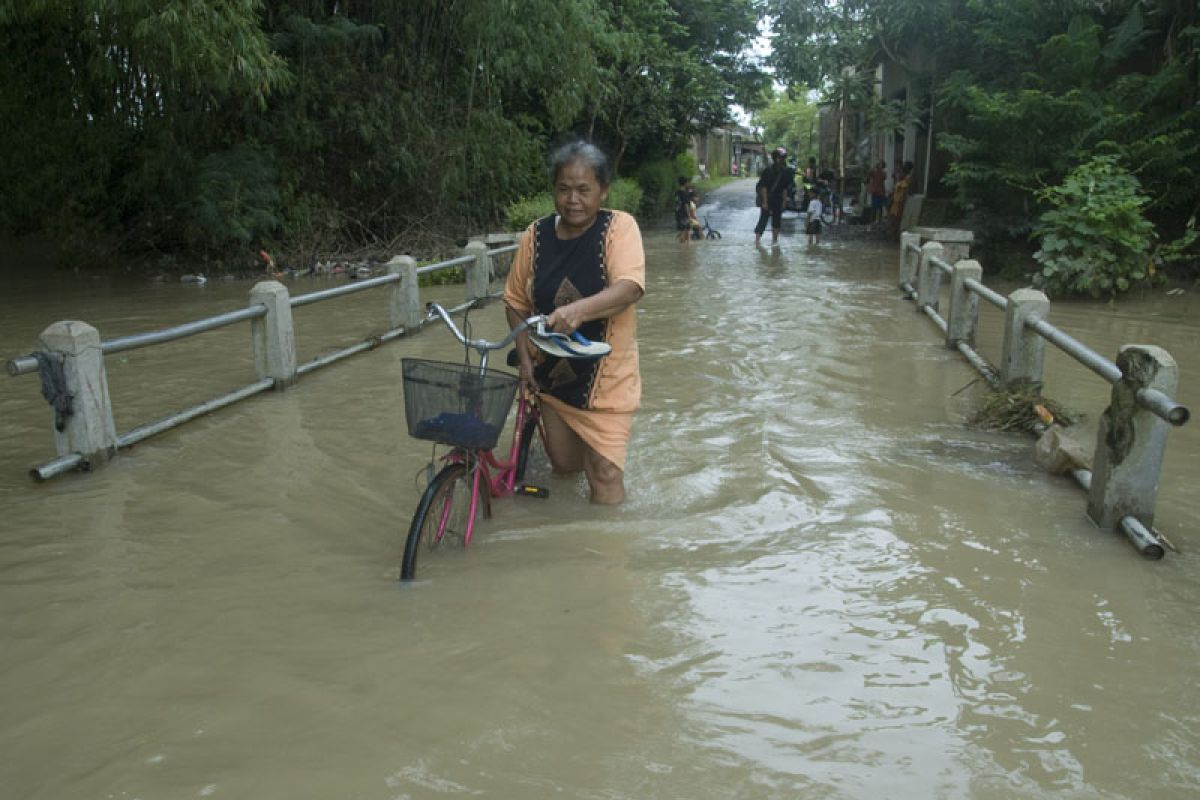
point(566, 270)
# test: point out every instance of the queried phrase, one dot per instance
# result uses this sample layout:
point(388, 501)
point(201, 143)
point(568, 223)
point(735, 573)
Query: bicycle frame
point(479, 464)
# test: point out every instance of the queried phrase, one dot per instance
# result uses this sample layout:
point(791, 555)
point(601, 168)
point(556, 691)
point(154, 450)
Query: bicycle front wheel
point(441, 517)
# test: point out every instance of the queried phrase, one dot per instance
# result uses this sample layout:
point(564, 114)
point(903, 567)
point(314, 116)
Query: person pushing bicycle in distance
point(584, 268)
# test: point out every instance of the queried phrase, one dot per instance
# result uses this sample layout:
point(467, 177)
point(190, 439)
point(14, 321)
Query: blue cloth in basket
point(464, 430)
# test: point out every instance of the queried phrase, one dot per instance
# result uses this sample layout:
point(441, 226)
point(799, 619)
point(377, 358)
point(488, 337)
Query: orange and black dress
point(596, 398)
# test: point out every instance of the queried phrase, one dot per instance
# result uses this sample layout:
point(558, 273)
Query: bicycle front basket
point(454, 404)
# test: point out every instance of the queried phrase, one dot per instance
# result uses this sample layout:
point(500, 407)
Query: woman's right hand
point(525, 368)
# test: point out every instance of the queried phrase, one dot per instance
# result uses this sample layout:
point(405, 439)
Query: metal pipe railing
point(26, 364)
point(932, 313)
point(57, 467)
point(338, 291)
point(454, 262)
point(72, 461)
point(1143, 539)
point(1164, 407)
point(941, 264)
point(179, 417)
point(183, 331)
point(1026, 310)
point(980, 364)
point(996, 299)
point(371, 343)
point(1077, 350)
point(22, 365)
point(69, 461)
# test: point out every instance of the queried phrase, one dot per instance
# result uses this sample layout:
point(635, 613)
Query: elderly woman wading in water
point(583, 267)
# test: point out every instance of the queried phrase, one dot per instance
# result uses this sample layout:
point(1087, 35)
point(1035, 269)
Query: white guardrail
point(1122, 478)
point(71, 355)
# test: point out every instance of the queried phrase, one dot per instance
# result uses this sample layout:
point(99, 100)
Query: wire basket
point(454, 404)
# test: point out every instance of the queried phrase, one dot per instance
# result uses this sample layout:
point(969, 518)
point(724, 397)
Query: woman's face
point(578, 195)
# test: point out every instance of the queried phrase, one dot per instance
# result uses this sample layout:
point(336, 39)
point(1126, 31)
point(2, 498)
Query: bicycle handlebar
point(482, 346)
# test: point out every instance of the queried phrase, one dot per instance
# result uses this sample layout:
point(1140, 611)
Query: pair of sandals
point(563, 345)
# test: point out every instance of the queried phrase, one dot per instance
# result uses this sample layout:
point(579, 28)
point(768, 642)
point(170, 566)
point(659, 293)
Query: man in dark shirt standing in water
point(772, 188)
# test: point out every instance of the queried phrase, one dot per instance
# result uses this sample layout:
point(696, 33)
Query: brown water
point(823, 585)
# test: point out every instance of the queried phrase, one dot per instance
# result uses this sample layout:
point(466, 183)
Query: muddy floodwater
point(824, 584)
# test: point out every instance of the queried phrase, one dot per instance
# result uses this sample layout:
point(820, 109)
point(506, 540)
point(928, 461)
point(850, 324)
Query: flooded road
point(823, 585)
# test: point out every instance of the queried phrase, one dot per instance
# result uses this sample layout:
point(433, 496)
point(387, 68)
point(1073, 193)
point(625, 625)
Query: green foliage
point(119, 101)
point(675, 66)
point(625, 195)
point(658, 179)
point(443, 277)
point(202, 124)
point(236, 202)
point(1094, 238)
point(524, 211)
point(1023, 91)
point(791, 122)
point(685, 165)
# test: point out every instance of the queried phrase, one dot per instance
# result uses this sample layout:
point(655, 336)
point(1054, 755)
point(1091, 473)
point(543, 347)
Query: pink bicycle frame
point(502, 484)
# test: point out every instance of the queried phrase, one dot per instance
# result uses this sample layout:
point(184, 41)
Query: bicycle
point(831, 207)
point(465, 406)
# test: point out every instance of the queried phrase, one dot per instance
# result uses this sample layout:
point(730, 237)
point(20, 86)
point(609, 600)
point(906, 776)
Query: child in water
point(813, 226)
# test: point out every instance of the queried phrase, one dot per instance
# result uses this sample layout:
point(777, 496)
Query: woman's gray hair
point(585, 152)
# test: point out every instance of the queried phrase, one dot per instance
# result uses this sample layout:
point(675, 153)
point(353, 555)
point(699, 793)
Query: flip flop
point(575, 345)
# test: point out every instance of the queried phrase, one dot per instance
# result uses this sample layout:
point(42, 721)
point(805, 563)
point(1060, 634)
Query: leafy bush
point(237, 201)
point(625, 195)
point(658, 180)
point(1094, 239)
point(442, 277)
point(685, 165)
point(523, 212)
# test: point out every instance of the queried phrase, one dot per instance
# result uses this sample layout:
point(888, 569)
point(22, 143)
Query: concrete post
point(405, 306)
point(1024, 348)
point(929, 277)
point(273, 336)
point(908, 259)
point(1131, 440)
point(479, 273)
point(88, 429)
point(964, 305)
point(957, 242)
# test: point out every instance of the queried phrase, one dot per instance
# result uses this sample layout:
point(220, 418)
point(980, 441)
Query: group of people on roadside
point(778, 182)
point(885, 208)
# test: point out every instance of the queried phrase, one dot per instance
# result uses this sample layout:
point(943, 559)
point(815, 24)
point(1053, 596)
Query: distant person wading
point(771, 190)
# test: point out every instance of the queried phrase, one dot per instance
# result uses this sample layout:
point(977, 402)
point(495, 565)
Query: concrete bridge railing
point(1122, 483)
point(70, 359)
